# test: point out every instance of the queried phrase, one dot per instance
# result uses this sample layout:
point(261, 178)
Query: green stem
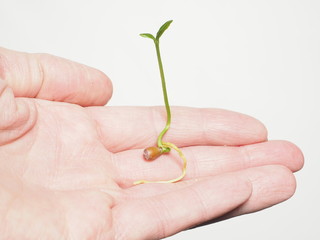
point(165, 96)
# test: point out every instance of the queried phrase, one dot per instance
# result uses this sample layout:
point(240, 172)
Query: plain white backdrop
point(257, 57)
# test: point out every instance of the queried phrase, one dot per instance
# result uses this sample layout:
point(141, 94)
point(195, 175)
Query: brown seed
point(151, 153)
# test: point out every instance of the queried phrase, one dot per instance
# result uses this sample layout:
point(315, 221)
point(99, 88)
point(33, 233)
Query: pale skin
point(68, 163)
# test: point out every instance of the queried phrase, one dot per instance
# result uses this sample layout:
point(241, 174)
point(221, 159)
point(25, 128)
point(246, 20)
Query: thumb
point(52, 78)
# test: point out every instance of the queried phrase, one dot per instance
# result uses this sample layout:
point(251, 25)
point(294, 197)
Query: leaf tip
point(163, 28)
point(147, 35)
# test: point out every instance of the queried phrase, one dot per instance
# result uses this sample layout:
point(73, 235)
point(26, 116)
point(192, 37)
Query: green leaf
point(147, 35)
point(163, 28)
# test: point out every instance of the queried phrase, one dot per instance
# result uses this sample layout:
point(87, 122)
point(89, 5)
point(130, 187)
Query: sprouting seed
point(152, 153)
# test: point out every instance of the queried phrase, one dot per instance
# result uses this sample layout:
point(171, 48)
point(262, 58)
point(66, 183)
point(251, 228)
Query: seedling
point(152, 153)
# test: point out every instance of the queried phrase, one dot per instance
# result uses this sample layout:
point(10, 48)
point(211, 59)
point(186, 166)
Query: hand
point(67, 169)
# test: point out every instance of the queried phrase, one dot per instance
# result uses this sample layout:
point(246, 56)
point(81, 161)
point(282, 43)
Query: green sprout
point(151, 153)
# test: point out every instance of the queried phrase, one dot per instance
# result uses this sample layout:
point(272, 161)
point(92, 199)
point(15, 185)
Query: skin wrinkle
point(115, 163)
point(35, 107)
point(6, 95)
point(269, 193)
point(29, 78)
point(204, 125)
point(83, 91)
point(283, 192)
point(2, 89)
point(57, 157)
point(26, 77)
point(55, 174)
point(200, 201)
point(87, 74)
point(27, 168)
point(48, 62)
point(41, 74)
point(119, 174)
point(111, 203)
point(203, 206)
point(121, 228)
point(232, 212)
point(194, 167)
point(34, 78)
point(29, 119)
point(3, 64)
point(33, 121)
point(246, 156)
point(257, 190)
point(210, 130)
point(160, 213)
point(15, 116)
point(98, 129)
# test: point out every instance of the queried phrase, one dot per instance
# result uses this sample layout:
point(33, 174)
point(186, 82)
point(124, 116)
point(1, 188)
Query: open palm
point(68, 163)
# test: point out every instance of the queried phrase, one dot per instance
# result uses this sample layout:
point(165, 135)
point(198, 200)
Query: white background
point(261, 58)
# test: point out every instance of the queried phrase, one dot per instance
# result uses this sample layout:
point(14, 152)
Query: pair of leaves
point(162, 29)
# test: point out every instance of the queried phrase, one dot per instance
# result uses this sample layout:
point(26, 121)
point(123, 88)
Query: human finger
point(193, 203)
point(123, 128)
point(205, 161)
point(168, 213)
point(270, 185)
point(52, 78)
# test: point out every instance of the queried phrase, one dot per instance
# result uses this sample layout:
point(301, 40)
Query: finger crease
point(204, 127)
point(194, 169)
point(247, 159)
point(201, 203)
point(41, 75)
